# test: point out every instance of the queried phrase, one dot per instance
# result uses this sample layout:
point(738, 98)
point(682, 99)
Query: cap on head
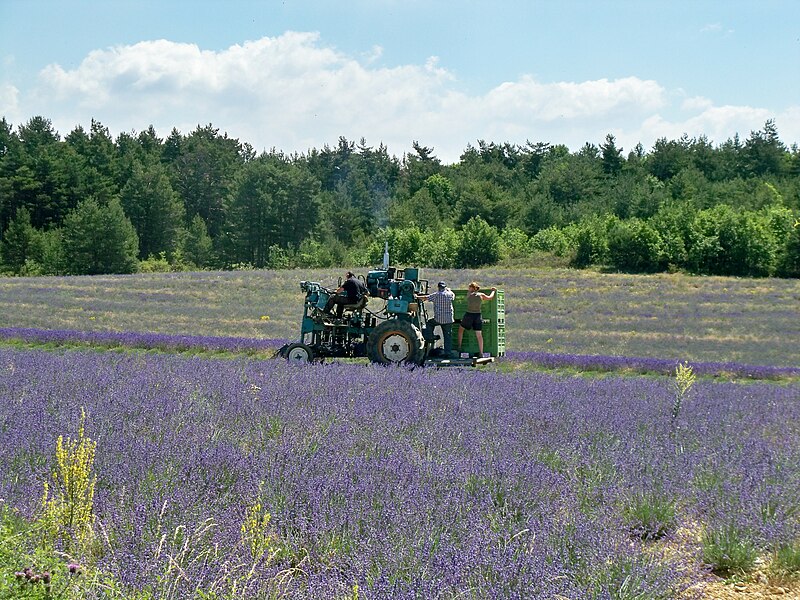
point(442, 285)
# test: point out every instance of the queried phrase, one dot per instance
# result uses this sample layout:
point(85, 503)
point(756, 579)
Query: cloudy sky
point(297, 74)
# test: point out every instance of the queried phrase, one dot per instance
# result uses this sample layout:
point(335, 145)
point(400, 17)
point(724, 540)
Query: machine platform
point(458, 362)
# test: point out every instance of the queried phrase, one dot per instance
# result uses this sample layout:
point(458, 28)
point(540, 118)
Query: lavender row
point(407, 483)
point(172, 342)
point(650, 365)
point(134, 339)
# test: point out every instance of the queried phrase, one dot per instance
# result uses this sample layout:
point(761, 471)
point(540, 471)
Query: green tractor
point(389, 326)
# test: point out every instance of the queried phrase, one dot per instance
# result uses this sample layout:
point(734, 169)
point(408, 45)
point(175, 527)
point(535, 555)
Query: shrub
point(650, 515)
point(155, 264)
point(480, 245)
point(591, 242)
point(514, 243)
point(789, 265)
point(635, 246)
point(728, 550)
point(673, 224)
point(786, 559)
point(314, 254)
point(439, 249)
point(553, 240)
point(724, 241)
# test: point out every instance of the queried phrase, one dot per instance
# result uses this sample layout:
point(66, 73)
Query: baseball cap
point(442, 284)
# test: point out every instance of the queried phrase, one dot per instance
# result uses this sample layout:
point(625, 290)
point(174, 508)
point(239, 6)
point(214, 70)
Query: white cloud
point(374, 54)
point(712, 28)
point(293, 93)
point(716, 28)
point(9, 100)
point(717, 123)
point(696, 103)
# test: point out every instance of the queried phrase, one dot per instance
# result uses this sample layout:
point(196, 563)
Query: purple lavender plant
point(408, 484)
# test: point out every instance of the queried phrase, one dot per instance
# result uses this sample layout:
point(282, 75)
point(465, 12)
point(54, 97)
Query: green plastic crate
point(494, 324)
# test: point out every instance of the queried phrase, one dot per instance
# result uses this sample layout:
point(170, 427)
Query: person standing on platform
point(472, 319)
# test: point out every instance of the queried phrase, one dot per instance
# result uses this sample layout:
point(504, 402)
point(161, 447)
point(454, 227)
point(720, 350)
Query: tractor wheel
point(395, 341)
point(298, 352)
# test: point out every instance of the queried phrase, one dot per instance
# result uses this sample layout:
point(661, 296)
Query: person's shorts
point(472, 321)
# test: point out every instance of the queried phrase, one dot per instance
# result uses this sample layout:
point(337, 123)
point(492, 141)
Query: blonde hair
point(475, 285)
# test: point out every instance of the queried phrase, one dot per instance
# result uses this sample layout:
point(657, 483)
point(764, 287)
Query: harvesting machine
point(389, 326)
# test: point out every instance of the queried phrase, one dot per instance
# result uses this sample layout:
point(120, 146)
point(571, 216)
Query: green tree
point(406, 245)
point(612, 160)
point(10, 160)
point(274, 203)
point(761, 250)
point(764, 153)
point(531, 159)
point(540, 210)
point(102, 161)
point(99, 239)
point(439, 249)
point(417, 167)
point(154, 209)
point(553, 240)
point(430, 208)
point(21, 242)
point(486, 200)
point(48, 177)
point(514, 243)
point(574, 183)
point(197, 246)
point(52, 260)
point(203, 169)
point(702, 243)
point(634, 193)
point(668, 158)
point(724, 241)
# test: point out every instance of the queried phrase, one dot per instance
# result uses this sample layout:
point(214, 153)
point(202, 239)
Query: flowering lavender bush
point(260, 346)
point(132, 339)
point(308, 481)
point(642, 365)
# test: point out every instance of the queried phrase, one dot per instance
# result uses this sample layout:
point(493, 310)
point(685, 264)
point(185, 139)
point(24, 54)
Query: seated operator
point(352, 290)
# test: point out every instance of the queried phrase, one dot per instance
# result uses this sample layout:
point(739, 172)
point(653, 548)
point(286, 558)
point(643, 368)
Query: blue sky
point(298, 74)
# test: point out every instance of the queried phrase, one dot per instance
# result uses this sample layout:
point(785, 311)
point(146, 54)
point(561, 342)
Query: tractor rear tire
point(298, 352)
point(394, 342)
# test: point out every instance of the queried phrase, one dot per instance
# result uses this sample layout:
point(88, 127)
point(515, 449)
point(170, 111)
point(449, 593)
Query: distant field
point(750, 321)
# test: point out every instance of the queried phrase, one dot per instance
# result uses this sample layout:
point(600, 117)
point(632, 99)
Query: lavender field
point(245, 477)
point(407, 484)
point(556, 311)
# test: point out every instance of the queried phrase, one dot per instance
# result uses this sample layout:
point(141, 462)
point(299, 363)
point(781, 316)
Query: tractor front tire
point(395, 341)
point(298, 353)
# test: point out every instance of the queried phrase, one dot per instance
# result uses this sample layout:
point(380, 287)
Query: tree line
point(88, 204)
